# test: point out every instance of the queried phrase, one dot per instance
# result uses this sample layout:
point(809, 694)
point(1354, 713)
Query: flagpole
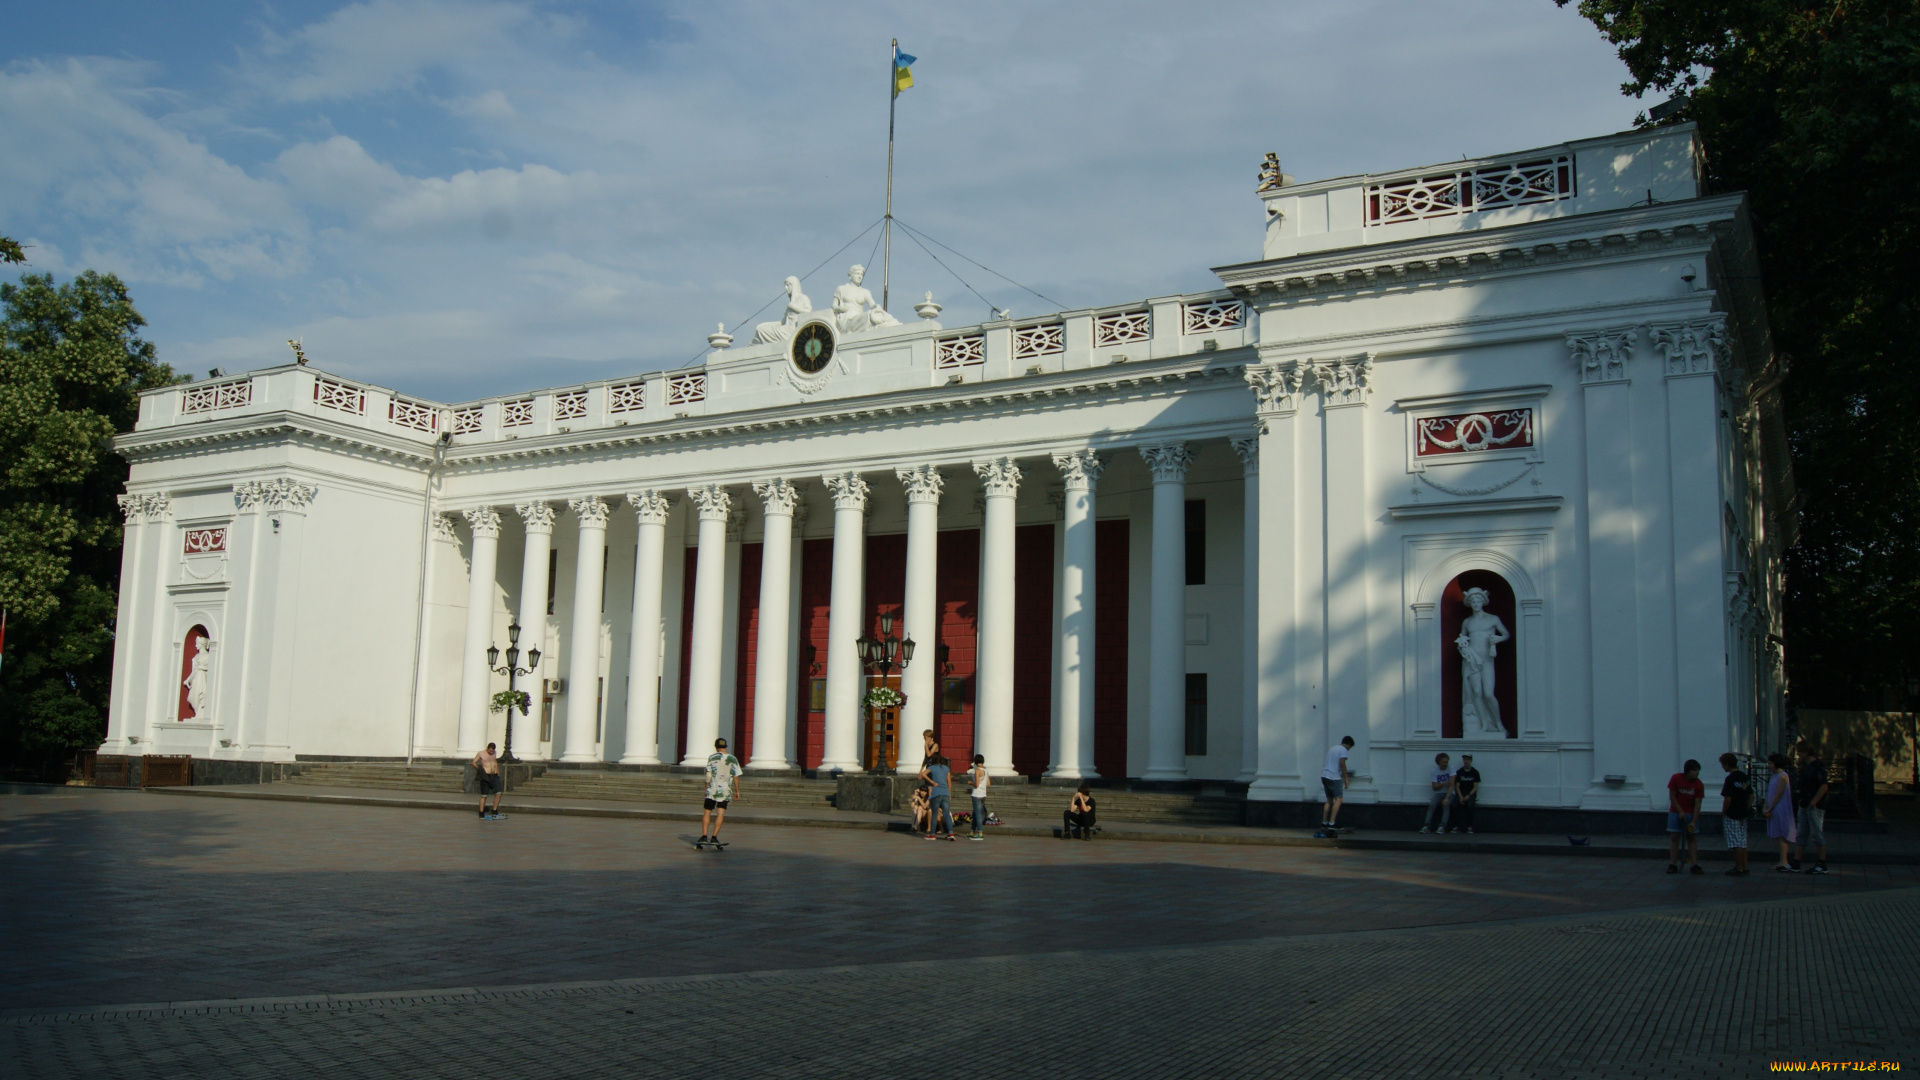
point(893, 95)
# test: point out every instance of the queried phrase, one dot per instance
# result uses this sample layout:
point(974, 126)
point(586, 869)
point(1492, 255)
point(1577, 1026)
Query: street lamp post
point(513, 672)
point(881, 656)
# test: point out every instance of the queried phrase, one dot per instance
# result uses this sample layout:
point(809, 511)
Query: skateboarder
point(723, 784)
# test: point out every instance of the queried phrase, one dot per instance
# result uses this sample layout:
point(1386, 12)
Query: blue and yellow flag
point(902, 71)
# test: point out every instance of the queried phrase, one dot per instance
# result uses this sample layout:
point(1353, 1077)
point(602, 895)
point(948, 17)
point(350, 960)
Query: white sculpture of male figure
point(1479, 642)
point(797, 306)
point(853, 307)
point(197, 680)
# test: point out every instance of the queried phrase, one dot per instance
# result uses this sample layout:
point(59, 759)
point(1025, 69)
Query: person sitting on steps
point(1078, 819)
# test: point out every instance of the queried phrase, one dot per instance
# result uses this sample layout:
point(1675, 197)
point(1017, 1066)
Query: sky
point(458, 199)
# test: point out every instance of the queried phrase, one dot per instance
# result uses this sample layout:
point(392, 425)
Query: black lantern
point(512, 671)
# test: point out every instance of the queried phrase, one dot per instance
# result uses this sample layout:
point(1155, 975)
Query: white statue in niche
point(200, 678)
point(1479, 642)
point(853, 308)
point(797, 306)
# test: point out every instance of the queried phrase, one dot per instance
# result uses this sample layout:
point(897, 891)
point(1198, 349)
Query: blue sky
point(464, 198)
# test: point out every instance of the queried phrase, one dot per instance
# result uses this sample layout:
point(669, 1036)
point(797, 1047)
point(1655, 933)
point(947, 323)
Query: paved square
point(1028, 956)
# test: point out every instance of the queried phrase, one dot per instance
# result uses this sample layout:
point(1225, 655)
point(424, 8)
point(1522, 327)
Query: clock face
point(812, 348)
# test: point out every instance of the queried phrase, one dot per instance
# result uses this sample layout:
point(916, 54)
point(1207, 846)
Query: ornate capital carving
point(483, 520)
point(1345, 382)
point(848, 490)
point(246, 496)
point(1168, 463)
point(1248, 447)
point(712, 501)
point(591, 511)
point(1080, 470)
point(1694, 348)
point(537, 515)
point(651, 507)
point(1602, 355)
point(999, 478)
point(443, 529)
point(777, 496)
point(272, 495)
point(1276, 387)
point(149, 507)
point(924, 483)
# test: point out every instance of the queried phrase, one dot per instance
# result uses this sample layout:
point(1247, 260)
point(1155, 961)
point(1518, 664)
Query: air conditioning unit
point(553, 687)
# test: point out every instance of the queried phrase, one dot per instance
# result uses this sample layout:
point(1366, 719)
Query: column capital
point(650, 506)
point(483, 520)
point(778, 496)
point(1248, 447)
point(924, 483)
point(712, 500)
point(1697, 347)
point(1080, 470)
point(149, 507)
point(443, 529)
point(1345, 381)
point(591, 511)
point(999, 477)
point(848, 489)
point(1276, 386)
point(537, 515)
point(284, 493)
point(1168, 462)
point(1601, 355)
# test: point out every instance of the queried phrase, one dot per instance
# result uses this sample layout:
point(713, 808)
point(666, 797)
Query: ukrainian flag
point(902, 71)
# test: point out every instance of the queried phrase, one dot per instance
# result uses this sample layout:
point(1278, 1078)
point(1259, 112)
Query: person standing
point(1442, 794)
point(486, 768)
point(1466, 794)
point(723, 786)
point(1685, 793)
point(1779, 810)
point(1810, 812)
point(939, 797)
point(979, 795)
point(1334, 778)
point(1736, 804)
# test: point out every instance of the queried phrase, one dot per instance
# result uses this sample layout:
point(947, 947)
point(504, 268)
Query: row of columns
point(1073, 733)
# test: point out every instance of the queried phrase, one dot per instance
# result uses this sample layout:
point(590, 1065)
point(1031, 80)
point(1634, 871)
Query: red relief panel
point(958, 590)
point(1032, 648)
point(1110, 539)
point(205, 541)
point(747, 648)
point(1472, 433)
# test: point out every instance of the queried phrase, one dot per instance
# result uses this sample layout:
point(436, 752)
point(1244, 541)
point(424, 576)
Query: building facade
point(1484, 457)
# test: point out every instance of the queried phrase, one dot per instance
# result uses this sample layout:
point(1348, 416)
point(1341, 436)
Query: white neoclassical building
point(1484, 456)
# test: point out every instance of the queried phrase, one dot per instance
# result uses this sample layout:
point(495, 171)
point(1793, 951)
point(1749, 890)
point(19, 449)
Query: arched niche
point(196, 674)
point(1453, 614)
point(1441, 569)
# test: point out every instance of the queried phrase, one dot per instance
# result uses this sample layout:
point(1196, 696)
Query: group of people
point(1455, 793)
point(1794, 809)
point(932, 801)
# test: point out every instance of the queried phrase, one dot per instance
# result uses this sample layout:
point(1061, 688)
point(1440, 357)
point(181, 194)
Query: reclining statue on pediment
point(854, 311)
point(798, 306)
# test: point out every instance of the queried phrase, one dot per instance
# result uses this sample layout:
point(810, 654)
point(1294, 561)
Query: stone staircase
point(1009, 799)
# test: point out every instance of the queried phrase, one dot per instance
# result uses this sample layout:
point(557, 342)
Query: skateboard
point(717, 845)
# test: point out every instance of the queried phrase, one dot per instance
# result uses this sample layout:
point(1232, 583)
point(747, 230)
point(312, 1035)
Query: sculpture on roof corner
point(854, 311)
point(798, 307)
point(1271, 178)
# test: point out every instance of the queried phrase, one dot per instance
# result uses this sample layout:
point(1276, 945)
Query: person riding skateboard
point(723, 786)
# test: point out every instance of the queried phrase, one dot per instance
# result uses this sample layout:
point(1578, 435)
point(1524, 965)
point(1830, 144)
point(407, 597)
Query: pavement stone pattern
point(616, 949)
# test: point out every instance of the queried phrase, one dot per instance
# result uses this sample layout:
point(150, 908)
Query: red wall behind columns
point(1032, 648)
point(957, 587)
point(816, 590)
point(748, 650)
point(686, 653)
point(1110, 540)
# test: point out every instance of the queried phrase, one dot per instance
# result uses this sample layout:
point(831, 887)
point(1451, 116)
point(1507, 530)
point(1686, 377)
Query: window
point(600, 704)
point(953, 695)
point(1196, 714)
point(605, 553)
point(546, 718)
point(1196, 541)
point(553, 575)
point(817, 700)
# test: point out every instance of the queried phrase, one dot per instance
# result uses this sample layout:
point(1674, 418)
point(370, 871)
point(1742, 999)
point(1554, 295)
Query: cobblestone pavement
point(803, 952)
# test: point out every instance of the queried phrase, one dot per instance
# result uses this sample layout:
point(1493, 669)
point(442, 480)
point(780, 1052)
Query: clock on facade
point(812, 348)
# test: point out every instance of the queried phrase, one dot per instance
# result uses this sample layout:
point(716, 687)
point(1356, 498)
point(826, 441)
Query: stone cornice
point(1457, 256)
point(273, 427)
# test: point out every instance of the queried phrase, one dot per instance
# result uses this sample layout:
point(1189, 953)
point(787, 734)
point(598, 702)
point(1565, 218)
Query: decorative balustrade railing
point(627, 397)
point(412, 414)
point(686, 389)
point(516, 413)
point(1470, 190)
point(1034, 341)
point(1121, 327)
point(1211, 315)
point(467, 421)
point(956, 352)
point(333, 395)
point(570, 406)
point(216, 396)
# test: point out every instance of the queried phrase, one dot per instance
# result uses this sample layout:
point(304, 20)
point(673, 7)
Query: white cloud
point(383, 45)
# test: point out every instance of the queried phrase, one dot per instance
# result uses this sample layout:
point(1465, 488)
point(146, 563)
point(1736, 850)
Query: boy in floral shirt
point(723, 785)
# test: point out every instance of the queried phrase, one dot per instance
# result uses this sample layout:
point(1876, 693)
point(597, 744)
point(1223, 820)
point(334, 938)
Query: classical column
point(1073, 752)
point(1274, 593)
point(773, 679)
point(474, 676)
point(844, 623)
point(643, 642)
point(538, 517)
point(709, 618)
point(993, 703)
point(921, 617)
point(123, 715)
point(1249, 451)
point(1167, 614)
point(1345, 384)
point(583, 645)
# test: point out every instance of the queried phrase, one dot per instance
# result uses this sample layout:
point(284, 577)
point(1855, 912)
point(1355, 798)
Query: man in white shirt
point(1438, 803)
point(1333, 779)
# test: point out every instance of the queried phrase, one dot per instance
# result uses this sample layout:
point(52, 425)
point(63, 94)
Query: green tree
point(1813, 109)
point(71, 367)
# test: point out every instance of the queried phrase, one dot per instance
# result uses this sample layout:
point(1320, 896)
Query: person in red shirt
point(1684, 795)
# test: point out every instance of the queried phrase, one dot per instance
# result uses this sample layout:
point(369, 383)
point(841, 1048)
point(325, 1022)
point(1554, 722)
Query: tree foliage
point(1813, 109)
point(71, 367)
